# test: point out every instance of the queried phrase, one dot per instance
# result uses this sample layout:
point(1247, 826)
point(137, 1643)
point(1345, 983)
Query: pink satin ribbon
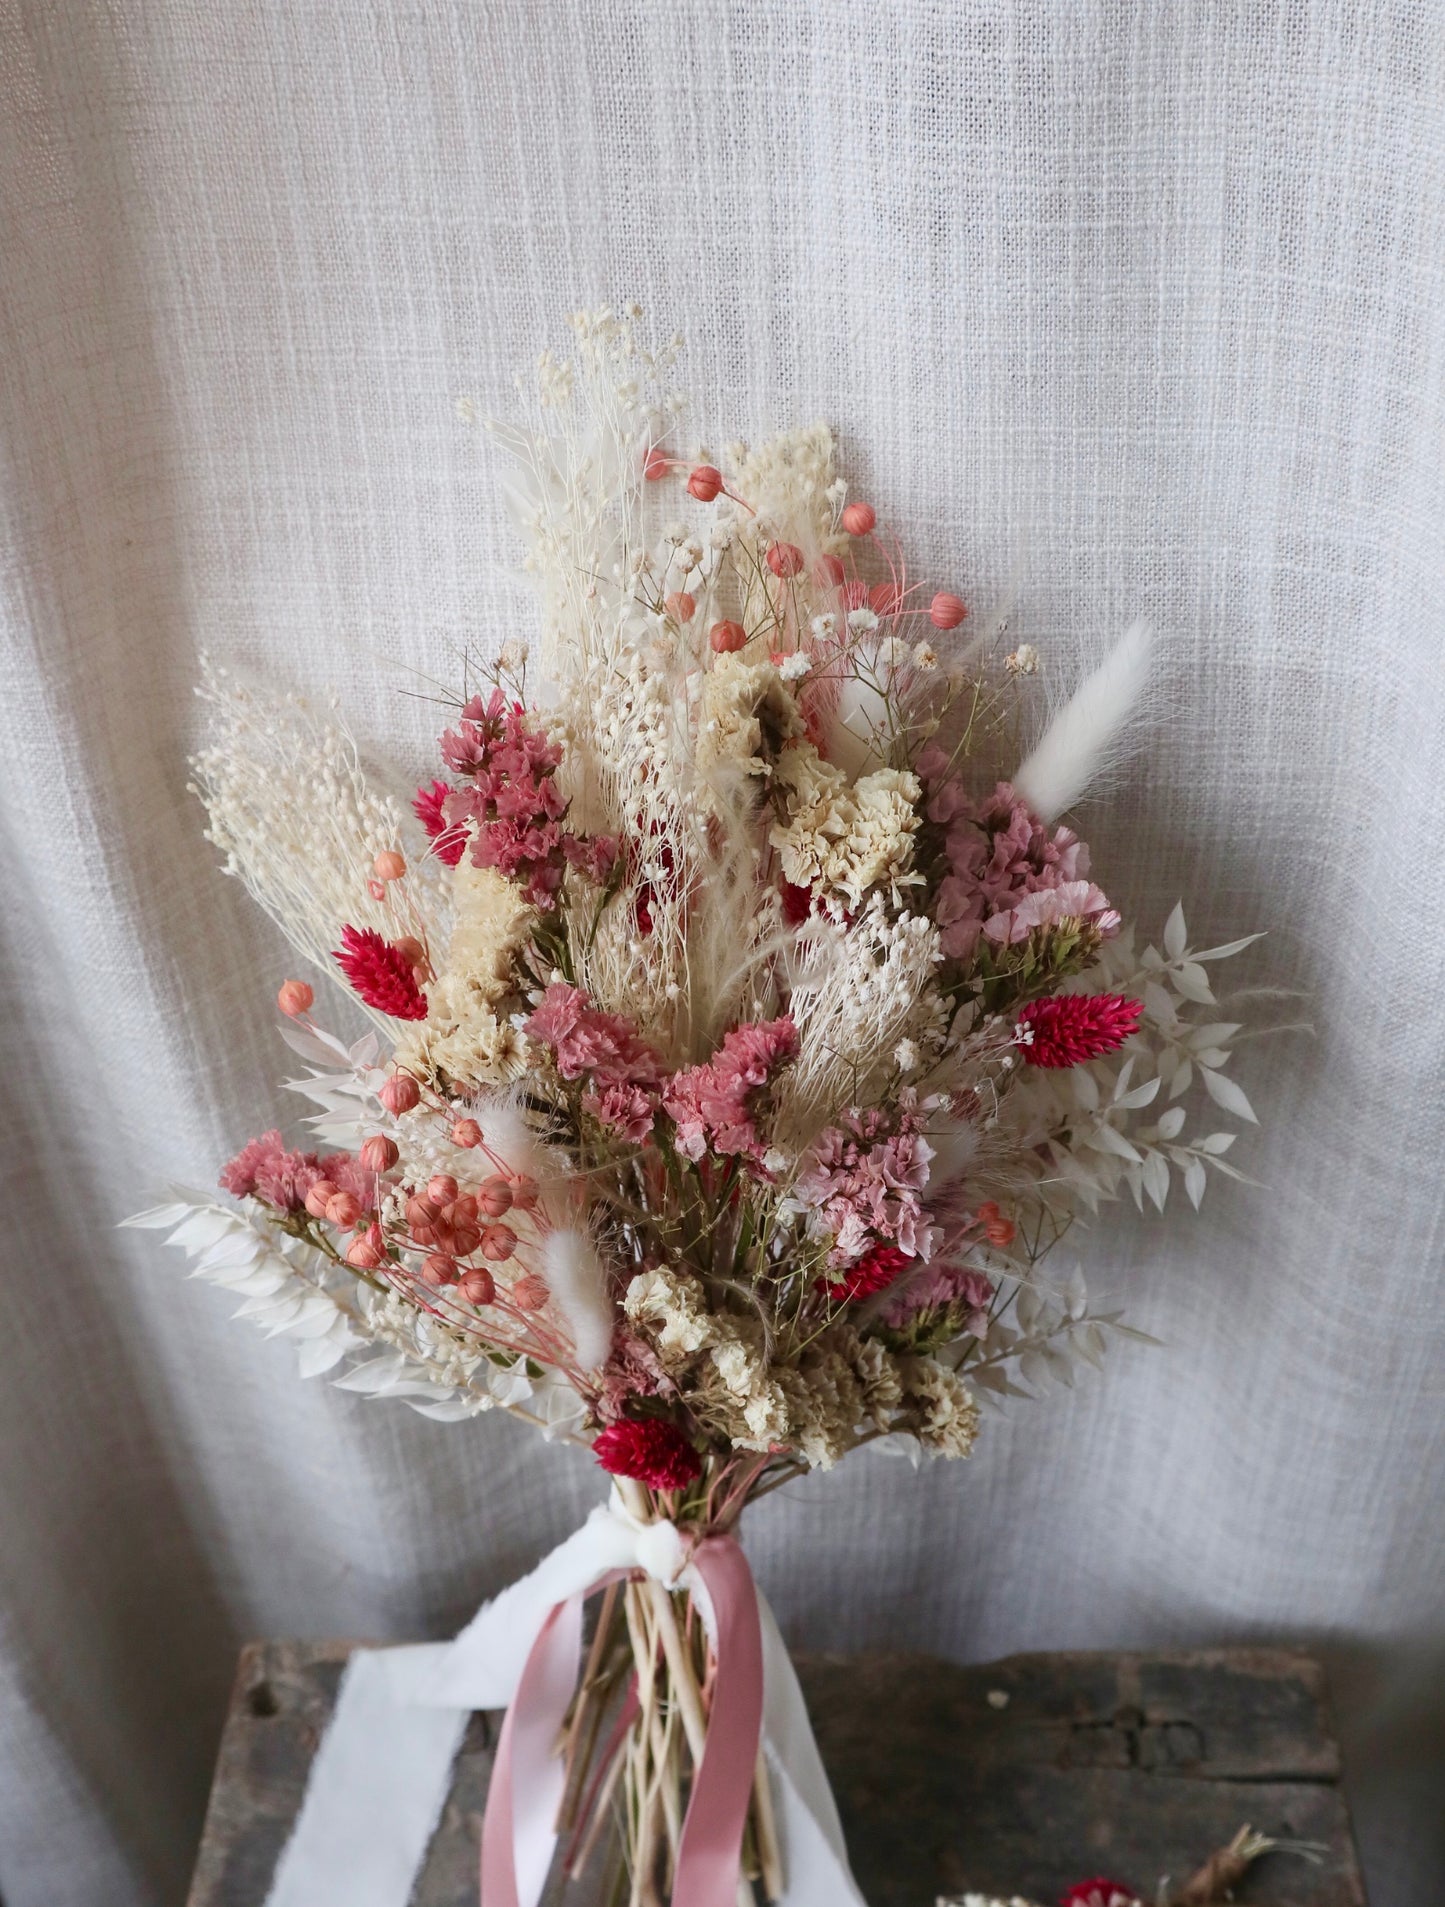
point(519, 1827)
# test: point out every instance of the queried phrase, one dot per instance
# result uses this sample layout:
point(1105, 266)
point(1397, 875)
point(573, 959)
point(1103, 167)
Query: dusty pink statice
point(264, 1169)
point(510, 794)
point(715, 1107)
point(1007, 873)
point(935, 1287)
point(622, 1071)
point(865, 1178)
point(633, 1369)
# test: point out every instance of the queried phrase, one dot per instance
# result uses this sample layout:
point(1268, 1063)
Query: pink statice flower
point(934, 1288)
point(511, 798)
point(1008, 874)
point(264, 1169)
point(633, 1369)
point(622, 1071)
point(865, 1178)
point(715, 1107)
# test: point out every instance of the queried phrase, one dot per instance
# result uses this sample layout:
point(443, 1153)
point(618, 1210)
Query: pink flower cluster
point(510, 793)
point(622, 1071)
point(264, 1169)
point(864, 1180)
point(1008, 874)
point(937, 1286)
point(715, 1106)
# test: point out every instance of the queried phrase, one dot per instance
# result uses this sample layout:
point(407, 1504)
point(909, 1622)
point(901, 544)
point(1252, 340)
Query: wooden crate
point(1019, 1776)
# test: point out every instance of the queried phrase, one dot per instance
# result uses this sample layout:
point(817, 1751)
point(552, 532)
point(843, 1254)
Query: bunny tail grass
point(1078, 742)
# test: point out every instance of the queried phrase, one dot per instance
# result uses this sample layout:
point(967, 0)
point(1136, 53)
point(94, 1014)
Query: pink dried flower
point(380, 973)
point(621, 1069)
point(513, 799)
point(448, 843)
point(933, 1288)
point(586, 1040)
point(264, 1169)
point(628, 1110)
point(715, 1106)
point(1074, 1027)
point(633, 1369)
point(1008, 874)
point(864, 1181)
point(650, 1449)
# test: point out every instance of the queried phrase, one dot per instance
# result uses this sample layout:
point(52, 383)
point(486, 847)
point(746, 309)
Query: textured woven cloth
point(1130, 308)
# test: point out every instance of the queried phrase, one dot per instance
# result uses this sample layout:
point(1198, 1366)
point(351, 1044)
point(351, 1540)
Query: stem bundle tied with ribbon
point(701, 1701)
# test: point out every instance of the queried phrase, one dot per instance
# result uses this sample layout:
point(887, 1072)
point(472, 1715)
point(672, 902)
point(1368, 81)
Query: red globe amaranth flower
point(1073, 1027)
point(648, 1449)
point(448, 843)
point(874, 1271)
point(1099, 1893)
point(380, 973)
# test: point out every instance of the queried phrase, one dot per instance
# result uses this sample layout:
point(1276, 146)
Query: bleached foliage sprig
point(745, 1042)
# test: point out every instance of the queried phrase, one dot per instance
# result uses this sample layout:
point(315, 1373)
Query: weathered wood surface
point(1130, 1765)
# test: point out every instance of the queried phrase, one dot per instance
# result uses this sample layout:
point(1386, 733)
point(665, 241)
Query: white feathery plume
point(1078, 741)
point(506, 1136)
point(577, 1281)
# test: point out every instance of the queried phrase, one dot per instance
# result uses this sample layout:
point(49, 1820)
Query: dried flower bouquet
point(742, 1042)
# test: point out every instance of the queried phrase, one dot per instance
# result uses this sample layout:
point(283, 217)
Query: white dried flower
point(1023, 661)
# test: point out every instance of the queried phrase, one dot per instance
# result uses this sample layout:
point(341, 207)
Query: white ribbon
point(382, 1773)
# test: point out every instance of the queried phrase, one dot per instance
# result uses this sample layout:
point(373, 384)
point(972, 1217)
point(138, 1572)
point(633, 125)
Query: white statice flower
point(748, 717)
point(946, 1408)
point(672, 1307)
point(905, 1056)
point(794, 667)
point(468, 1036)
point(1023, 661)
point(862, 622)
point(845, 836)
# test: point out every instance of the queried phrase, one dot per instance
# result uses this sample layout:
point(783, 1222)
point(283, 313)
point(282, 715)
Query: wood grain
point(1133, 1765)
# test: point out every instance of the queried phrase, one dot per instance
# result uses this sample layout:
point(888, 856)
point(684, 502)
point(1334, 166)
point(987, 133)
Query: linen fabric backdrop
point(1130, 308)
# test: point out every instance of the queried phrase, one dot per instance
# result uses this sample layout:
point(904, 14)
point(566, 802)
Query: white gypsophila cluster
point(574, 493)
point(856, 991)
point(293, 814)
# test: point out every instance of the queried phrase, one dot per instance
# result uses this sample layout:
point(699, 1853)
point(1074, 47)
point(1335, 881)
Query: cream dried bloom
point(946, 1412)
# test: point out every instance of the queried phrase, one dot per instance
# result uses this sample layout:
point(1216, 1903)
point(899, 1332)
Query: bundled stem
point(637, 1730)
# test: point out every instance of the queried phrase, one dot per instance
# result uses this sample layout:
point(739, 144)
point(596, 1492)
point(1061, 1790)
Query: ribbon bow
point(382, 1772)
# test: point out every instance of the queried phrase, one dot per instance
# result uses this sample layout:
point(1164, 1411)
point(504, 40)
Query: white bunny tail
point(577, 1281)
point(1079, 740)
